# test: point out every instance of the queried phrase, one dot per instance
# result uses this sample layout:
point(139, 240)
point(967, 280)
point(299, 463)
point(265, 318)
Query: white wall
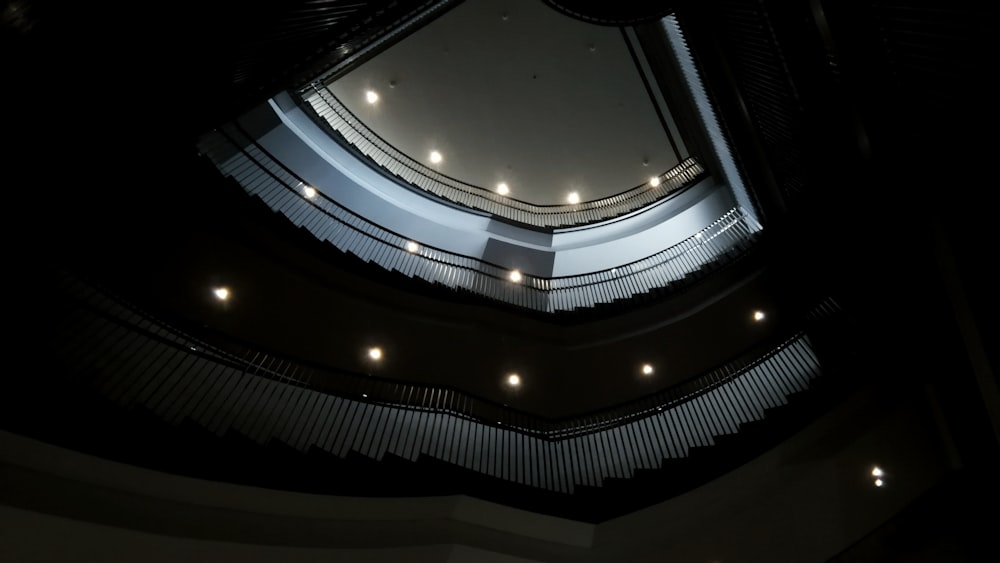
point(302, 146)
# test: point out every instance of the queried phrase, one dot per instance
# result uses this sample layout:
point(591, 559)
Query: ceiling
point(154, 229)
point(163, 233)
point(105, 177)
point(516, 92)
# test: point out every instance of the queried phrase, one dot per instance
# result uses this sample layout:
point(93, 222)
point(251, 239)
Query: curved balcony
point(252, 166)
point(139, 361)
point(348, 129)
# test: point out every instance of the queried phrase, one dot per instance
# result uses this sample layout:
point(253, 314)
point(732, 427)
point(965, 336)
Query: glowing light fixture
point(877, 471)
point(221, 293)
point(647, 369)
point(371, 96)
point(309, 191)
point(375, 353)
point(654, 181)
point(436, 157)
point(879, 482)
point(502, 188)
point(412, 246)
point(515, 276)
point(573, 197)
point(758, 316)
point(513, 380)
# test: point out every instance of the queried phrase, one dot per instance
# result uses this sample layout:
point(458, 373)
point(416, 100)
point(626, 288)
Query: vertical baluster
point(479, 454)
point(278, 412)
point(397, 438)
point(464, 452)
point(136, 390)
point(204, 407)
point(640, 456)
point(722, 412)
point(388, 419)
point(762, 388)
point(204, 378)
point(326, 429)
point(161, 401)
point(684, 438)
point(91, 355)
point(650, 451)
point(773, 375)
point(316, 411)
point(367, 436)
point(621, 451)
point(752, 402)
point(238, 400)
point(416, 439)
point(340, 426)
point(302, 400)
point(708, 418)
point(661, 422)
point(356, 425)
point(261, 410)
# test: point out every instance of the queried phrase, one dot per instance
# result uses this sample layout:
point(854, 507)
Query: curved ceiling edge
point(346, 179)
point(324, 107)
point(612, 13)
point(347, 203)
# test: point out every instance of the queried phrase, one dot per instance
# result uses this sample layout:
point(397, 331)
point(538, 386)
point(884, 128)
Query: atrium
point(499, 281)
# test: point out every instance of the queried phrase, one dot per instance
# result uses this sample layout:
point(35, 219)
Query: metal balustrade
point(136, 360)
point(347, 128)
point(280, 189)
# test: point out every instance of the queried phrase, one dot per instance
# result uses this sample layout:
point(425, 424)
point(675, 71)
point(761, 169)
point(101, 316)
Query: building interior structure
point(732, 303)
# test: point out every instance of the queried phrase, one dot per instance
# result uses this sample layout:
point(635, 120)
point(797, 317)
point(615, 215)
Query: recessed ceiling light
point(309, 191)
point(877, 471)
point(412, 246)
point(573, 197)
point(654, 181)
point(647, 369)
point(365, 395)
point(371, 96)
point(436, 157)
point(879, 482)
point(221, 293)
point(513, 380)
point(502, 188)
point(375, 353)
point(515, 275)
point(758, 316)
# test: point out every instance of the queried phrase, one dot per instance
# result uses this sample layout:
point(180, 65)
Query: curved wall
point(293, 139)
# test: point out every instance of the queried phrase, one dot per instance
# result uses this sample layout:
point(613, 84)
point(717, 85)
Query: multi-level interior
point(271, 300)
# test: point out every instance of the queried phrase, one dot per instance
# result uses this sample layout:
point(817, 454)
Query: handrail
point(715, 246)
point(134, 359)
point(347, 129)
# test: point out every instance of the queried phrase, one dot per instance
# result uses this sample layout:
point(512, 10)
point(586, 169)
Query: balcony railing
point(236, 155)
point(137, 360)
point(349, 130)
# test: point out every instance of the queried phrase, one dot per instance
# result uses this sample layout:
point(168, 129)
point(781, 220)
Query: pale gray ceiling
point(512, 91)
